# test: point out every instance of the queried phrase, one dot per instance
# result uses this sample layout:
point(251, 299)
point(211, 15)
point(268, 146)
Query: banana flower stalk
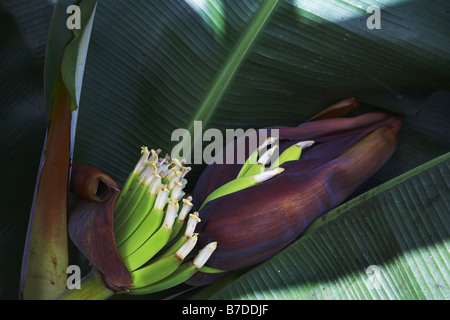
point(334, 156)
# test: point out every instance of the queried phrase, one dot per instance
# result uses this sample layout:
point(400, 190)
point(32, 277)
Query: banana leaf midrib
point(233, 62)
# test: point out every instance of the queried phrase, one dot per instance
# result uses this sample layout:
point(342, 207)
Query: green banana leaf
point(23, 126)
point(165, 65)
point(153, 67)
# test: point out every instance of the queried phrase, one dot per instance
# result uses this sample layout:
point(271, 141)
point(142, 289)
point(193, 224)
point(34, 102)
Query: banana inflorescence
point(252, 210)
point(153, 226)
point(324, 162)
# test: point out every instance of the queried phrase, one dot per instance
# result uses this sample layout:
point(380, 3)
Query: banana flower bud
point(253, 224)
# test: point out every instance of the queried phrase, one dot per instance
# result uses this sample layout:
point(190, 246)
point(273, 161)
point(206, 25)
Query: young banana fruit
point(153, 226)
point(152, 235)
point(185, 271)
point(254, 173)
point(253, 165)
point(133, 176)
point(292, 153)
point(241, 183)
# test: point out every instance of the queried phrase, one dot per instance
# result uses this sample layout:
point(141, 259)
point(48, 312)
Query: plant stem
point(45, 261)
point(91, 287)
